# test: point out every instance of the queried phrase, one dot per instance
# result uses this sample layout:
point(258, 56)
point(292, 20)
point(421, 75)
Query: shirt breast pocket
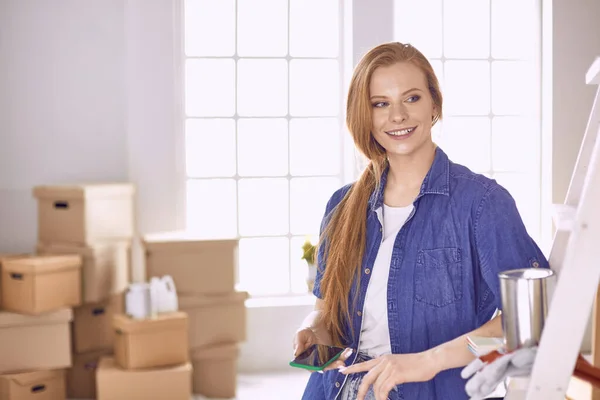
point(438, 276)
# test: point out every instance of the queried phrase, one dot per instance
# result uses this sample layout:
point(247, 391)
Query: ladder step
point(564, 216)
point(592, 77)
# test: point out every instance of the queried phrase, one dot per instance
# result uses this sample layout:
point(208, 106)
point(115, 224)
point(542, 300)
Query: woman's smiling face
point(402, 109)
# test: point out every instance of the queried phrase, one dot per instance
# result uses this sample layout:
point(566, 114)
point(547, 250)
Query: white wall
point(575, 44)
point(88, 93)
point(62, 103)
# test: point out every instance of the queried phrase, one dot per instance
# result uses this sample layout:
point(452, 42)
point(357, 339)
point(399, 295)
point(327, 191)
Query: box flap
point(174, 320)
point(35, 377)
point(108, 364)
point(99, 249)
point(182, 241)
point(10, 320)
point(40, 264)
point(8, 256)
point(81, 191)
point(194, 301)
point(216, 352)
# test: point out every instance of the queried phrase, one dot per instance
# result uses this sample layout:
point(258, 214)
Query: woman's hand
point(303, 339)
point(385, 372)
point(306, 337)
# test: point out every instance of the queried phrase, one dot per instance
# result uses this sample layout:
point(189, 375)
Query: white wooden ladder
point(575, 257)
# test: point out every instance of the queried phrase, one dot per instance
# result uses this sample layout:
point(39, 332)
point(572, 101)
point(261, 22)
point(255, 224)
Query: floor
point(269, 386)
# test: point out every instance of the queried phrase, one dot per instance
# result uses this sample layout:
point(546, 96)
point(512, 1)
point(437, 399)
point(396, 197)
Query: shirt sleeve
point(501, 243)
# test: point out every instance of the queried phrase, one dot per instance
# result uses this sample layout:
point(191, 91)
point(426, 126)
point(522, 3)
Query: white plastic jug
point(164, 294)
point(138, 301)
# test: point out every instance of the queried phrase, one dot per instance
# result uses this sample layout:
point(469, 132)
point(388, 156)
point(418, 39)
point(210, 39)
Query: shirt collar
point(437, 180)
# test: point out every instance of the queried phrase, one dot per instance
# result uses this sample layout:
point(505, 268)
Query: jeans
point(350, 390)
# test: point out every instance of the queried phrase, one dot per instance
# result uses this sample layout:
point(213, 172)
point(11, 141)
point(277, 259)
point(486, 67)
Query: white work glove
point(486, 377)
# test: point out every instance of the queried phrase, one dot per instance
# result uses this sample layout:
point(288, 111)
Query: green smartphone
point(317, 357)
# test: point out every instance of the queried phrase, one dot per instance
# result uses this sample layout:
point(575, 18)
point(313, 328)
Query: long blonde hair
point(344, 236)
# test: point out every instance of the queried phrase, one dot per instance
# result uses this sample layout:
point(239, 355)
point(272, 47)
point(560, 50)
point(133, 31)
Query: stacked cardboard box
point(204, 275)
point(58, 303)
point(96, 222)
point(37, 293)
point(151, 359)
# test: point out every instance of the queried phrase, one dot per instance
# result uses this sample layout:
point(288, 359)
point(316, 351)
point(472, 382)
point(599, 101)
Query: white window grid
point(487, 133)
point(251, 276)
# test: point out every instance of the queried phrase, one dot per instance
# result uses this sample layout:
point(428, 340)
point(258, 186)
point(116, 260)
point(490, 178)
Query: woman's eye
point(380, 104)
point(413, 99)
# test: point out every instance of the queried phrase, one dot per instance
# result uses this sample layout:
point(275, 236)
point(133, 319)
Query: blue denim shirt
point(443, 280)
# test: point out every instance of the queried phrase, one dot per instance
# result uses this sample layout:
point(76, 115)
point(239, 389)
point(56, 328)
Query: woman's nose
point(398, 114)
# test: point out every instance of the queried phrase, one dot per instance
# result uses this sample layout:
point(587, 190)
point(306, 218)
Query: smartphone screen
point(317, 357)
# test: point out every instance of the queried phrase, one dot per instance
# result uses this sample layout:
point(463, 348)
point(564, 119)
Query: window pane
point(260, 35)
point(467, 37)
point(525, 189)
point(467, 141)
point(309, 197)
point(263, 147)
point(314, 88)
point(263, 206)
point(515, 144)
point(210, 88)
point(299, 268)
point(514, 32)
point(211, 208)
point(265, 265)
point(420, 24)
point(314, 28)
point(202, 19)
point(514, 88)
point(315, 146)
point(262, 88)
point(210, 147)
point(467, 86)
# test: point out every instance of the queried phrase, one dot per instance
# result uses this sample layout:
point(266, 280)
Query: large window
point(264, 100)
point(486, 55)
point(263, 141)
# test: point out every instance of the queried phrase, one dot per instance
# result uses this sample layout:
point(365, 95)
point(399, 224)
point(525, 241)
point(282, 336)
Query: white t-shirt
point(375, 333)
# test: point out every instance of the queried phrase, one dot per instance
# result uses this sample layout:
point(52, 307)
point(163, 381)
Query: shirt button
point(337, 384)
point(536, 264)
point(359, 313)
point(367, 271)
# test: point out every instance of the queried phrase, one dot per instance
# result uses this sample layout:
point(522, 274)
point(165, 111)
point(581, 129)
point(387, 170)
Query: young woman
point(410, 253)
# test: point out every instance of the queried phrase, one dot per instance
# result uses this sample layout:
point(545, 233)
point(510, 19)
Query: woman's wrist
point(436, 359)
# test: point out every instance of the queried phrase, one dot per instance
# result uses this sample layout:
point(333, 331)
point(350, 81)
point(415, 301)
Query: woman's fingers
point(340, 362)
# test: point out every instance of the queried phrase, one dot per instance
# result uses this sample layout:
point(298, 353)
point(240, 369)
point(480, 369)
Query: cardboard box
point(114, 383)
point(93, 325)
point(215, 319)
point(35, 385)
point(215, 371)
point(151, 343)
point(85, 214)
point(105, 270)
point(3, 257)
point(38, 284)
point(81, 377)
point(197, 266)
point(35, 342)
